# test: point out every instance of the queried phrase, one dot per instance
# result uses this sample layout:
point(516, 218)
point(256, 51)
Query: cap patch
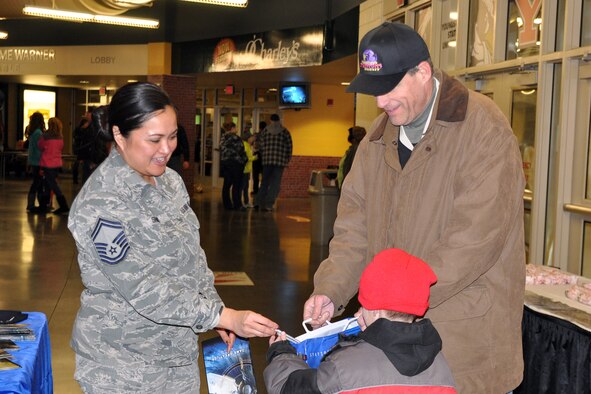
point(110, 241)
point(370, 61)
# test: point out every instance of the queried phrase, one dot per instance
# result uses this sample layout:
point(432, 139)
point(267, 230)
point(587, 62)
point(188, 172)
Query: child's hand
point(279, 336)
point(360, 320)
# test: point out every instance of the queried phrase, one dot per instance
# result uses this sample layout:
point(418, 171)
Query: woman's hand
point(228, 337)
point(247, 324)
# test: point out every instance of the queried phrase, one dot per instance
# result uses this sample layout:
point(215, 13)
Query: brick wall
point(183, 93)
point(296, 176)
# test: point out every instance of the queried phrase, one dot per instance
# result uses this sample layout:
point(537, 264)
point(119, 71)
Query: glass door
point(206, 145)
point(578, 209)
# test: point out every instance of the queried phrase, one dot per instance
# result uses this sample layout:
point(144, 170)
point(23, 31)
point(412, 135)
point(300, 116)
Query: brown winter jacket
point(458, 205)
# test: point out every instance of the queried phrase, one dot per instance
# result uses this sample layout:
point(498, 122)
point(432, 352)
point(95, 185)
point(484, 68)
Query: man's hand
point(319, 309)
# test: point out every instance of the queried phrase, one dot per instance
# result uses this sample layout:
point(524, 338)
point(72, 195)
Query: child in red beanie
point(395, 353)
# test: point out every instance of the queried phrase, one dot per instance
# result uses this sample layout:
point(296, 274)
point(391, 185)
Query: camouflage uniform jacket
point(148, 290)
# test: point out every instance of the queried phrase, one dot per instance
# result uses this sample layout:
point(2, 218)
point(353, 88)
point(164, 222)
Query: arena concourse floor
point(264, 261)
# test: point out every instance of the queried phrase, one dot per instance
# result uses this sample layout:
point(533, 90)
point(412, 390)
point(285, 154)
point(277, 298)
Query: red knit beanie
point(396, 281)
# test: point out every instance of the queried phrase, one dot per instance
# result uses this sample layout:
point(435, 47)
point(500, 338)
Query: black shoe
point(256, 208)
point(267, 209)
point(61, 211)
point(39, 210)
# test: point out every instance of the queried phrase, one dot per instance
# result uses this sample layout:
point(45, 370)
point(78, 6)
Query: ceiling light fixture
point(84, 17)
point(229, 3)
point(3, 35)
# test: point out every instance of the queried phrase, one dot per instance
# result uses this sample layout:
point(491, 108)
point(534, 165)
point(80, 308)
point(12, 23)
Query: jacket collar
point(410, 347)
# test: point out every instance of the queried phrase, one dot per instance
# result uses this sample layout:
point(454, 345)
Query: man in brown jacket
point(440, 176)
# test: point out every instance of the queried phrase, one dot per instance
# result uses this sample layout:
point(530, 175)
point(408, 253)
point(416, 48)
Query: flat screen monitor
point(294, 95)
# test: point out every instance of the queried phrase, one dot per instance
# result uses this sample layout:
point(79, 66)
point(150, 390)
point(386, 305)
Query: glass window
point(481, 32)
point(266, 97)
point(200, 98)
point(247, 121)
point(198, 138)
point(586, 24)
point(248, 97)
point(588, 187)
point(523, 29)
point(586, 265)
point(208, 138)
point(38, 101)
point(230, 98)
point(523, 122)
point(423, 19)
point(449, 24)
point(559, 43)
point(399, 19)
point(210, 97)
point(553, 170)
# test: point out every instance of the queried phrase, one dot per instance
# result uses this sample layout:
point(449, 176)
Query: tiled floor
point(39, 271)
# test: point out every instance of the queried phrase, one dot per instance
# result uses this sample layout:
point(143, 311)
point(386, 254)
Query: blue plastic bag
point(313, 345)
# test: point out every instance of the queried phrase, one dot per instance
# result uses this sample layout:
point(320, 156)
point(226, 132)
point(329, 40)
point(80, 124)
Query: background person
point(148, 290)
point(356, 134)
point(92, 150)
point(247, 140)
point(51, 145)
point(275, 148)
point(439, 175)
point(36, 130)
point(394, 353)
point(177, 162)
point(257, 166)
point(233, 158)
point(78, 144)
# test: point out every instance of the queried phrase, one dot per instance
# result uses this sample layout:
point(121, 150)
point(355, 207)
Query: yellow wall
point(159, 58)
point(322, 130)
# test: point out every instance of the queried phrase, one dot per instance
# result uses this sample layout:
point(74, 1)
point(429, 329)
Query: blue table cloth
point(34, 357)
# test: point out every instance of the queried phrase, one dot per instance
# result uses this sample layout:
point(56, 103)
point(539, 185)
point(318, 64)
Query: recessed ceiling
point(14, 8)
point(335, 72)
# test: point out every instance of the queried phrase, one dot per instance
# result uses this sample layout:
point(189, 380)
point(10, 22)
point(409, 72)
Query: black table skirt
point(557, 356)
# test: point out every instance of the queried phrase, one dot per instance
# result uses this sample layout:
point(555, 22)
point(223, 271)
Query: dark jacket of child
point(388, 357)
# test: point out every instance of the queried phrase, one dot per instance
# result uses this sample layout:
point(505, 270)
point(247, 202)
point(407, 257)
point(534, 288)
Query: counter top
point(551, 300)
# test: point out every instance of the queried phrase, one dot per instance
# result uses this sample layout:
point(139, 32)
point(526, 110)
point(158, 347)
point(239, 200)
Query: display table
point(556, 342)
point(34, 357)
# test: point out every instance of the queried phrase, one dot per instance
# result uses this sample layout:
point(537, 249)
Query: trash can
point(324, 195)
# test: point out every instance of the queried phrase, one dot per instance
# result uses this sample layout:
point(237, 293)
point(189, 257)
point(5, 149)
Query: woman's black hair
point(131, 106)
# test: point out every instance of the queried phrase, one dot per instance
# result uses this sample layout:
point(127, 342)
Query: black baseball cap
point(386, 53)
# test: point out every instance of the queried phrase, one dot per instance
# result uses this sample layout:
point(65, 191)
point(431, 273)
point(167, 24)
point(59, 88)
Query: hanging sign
point(274, 49)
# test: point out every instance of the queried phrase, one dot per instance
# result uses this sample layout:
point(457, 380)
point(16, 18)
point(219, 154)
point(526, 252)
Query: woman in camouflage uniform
point(148, 290)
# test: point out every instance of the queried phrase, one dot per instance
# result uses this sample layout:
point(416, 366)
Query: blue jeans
point(270, 186)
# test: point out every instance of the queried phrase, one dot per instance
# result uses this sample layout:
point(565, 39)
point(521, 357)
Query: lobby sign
point(74, 60)
point(259, 51)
